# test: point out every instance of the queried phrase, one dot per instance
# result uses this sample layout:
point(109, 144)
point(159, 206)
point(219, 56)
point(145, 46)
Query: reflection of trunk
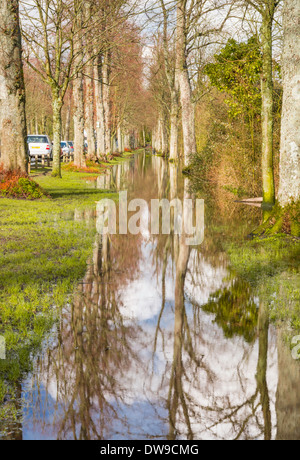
point(261, 375)
point(188, 109)
point(178, 395)
point(15, 429)
point(12, 92)
point(176, 392)
point(93, 355)
point(289, 188)
point(288, 393)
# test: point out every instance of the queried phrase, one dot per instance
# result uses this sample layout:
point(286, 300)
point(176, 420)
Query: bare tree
point(172, 78)
point(12, 91)
point(89, 93)
point(267, 10)
point(79, 159)
point(53, 38)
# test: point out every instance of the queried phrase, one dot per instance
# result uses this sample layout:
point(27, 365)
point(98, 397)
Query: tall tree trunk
point(119, 134)
point(158, 137)
point(89, 88)
point(78, 93)
point(187, 105)
point(164, 135)
point(267, 109)
point(89, 111)
point(68, 122)
point(100, 120)
point(36, 125)
point(106, 101)
point(12, 92)
point(289, 188)
point(57, 128)
point(79, 159)
point(127, 141)
point(174, 121)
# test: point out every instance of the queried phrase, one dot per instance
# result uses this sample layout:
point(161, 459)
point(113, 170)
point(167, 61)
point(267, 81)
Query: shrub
point(14, 184)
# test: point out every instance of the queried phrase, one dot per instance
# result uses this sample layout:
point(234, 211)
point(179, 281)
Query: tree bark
point(120, 141)
point(12, 92)
point(289, 188)
point(106, 101)
point(57, 128)
point(174, 128)
point(267, 109)
point(79, 159)
point(89, 88)
point(164, 135)
point(187, 105)
point(68, 122)
point(127, 141)
point(89, 111)
point(100, 120)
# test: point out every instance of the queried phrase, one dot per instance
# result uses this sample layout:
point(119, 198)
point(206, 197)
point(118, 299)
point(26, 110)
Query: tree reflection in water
point(162, 340)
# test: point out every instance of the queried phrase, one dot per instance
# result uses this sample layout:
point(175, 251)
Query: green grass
point(271, 266)
point(44, 247)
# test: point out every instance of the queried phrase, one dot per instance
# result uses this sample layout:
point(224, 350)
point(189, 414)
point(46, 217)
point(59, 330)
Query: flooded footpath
point(163, 340)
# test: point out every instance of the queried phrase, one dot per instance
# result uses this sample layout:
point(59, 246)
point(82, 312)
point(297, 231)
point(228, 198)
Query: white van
point(39, 145)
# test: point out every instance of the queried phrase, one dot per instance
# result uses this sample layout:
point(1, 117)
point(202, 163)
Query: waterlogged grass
point(44, 247)
point(271, 265)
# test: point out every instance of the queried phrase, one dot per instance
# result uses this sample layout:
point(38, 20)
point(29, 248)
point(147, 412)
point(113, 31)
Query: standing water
point(163, 341)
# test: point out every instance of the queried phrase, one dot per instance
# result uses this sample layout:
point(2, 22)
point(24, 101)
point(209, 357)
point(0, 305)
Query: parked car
point(71, 144)
point(65, 148)
point(39, 145)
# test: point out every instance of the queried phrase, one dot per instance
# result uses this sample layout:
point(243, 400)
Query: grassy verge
point(44, 246)
point(271, 265)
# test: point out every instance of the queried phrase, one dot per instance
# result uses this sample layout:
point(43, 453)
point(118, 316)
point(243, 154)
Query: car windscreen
point(63, 144)
point(37, 140)
point(71, 144)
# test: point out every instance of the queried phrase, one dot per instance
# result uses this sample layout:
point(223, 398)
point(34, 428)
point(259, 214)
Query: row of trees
point(190, 32)
point(92, 54)
point(88, 53)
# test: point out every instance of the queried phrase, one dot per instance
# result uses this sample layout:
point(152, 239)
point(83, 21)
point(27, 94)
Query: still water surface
point(163, 341)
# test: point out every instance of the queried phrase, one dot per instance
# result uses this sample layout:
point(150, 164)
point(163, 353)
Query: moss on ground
point(280, 220)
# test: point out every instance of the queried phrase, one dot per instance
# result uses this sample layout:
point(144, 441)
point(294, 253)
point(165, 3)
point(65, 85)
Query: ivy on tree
point(237, 72)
